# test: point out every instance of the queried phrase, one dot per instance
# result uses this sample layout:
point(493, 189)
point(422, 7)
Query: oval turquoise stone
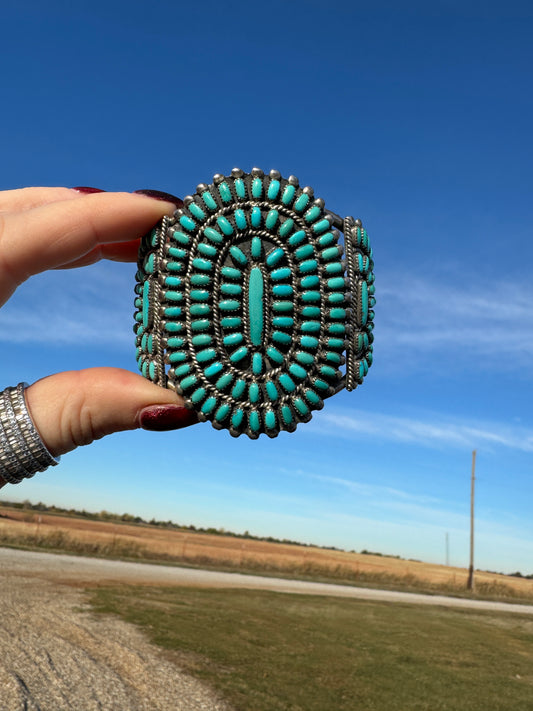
point(254, 421)
point(337, 313)
point(257, 247)
point(281, 337)
point(301, 202)
point(173, 281)
point(181, 237)
point(311, 296)
point(182, 370)
point(283, 306)
point(256, 217)
point(330, 253)
point(222, 412)
point(297, 371)
point(334, 268)
point(146, 315)
point(224, 381)
point(205, 355)
point(286, 227)
point(282, 290)
point(207, 249)
point(240, 219)
point(209, 405)
point(201, 324)
point(275, 355)
point(172, 327)
point(286, 414)
point(328, 371)
point(305, 358)
point(327, 239)
point(309, 282)
point(309, 342)
point(198, 395)
point(309, 265)
point(279, 274)
point(336, 297)
point(233, 339)
point(283, 321)
point(203, 339)
point(336, 283)
point(172, 312)
point(305, 251)
point(271, 219)
point(239, 354)
point(273, 189)
point(213, 235)
point(200, 279)
point(187, 222)
point(224, 192)
point(300, 405)
point(238, 389)
point(297, 237)
point(173, 295)
point(288, 194)
point(197, 211)
point(287, 382)
point(271, 391)
point(177, 357)
point(188, 382)
point(177, 253)
point(199, 309)
point(240, 188)
point(229, 305)
point(232, 289)
point(213, 369)
point(202, 264)
point(310, 326)
point(200, 295)
point(274, 257)
point(363, 297)
point(311, 312)
point(321, 226)
point(225, 225)
point(231, 273)
point(238, 256)
point(209, 200)
point(256, 305)
point(257, 364)
point(337, 328)
point(312, 397)
point(313, 214)
point(270, 420)
point(231, 321)
point(253, 392)
point(237, 418)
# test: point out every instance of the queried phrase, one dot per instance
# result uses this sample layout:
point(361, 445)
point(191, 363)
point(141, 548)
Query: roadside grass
point(118, 547)
point(268, 651)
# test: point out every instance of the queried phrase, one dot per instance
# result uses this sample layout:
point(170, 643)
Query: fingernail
point(160, 195)
point(87, 190)
point(159, 418)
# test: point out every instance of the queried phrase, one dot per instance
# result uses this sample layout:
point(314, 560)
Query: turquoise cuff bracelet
point(246, 307)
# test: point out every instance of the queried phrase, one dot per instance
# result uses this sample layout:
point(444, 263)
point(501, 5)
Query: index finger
point(59, 233)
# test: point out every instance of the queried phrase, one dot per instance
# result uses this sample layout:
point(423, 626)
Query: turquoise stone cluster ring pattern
point(250, 305)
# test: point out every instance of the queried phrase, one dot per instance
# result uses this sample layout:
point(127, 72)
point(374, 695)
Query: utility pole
point(470, 583)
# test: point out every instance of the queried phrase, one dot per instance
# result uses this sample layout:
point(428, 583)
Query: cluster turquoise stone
point(246, 307)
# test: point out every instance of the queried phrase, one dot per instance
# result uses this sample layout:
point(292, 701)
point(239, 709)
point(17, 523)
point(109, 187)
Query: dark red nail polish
point(160, 195)
point(85, 189)
point(159, 418)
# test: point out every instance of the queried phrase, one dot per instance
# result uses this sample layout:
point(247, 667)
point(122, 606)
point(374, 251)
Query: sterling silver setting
point(251, 306)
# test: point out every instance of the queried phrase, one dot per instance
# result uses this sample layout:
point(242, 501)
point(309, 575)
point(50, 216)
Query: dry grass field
point(155, 543)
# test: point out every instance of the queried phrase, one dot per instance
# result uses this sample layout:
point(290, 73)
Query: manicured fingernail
point(159, 418)
point(87, 190)
point(160, 195)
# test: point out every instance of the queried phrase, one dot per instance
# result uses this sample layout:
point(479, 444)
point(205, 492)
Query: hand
point(62, 228)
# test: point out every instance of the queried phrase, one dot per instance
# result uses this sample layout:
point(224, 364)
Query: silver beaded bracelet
point(22, 451)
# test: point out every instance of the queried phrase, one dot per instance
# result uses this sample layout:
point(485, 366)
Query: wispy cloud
point(432, 432)
point(90, 307)
point(481, 322)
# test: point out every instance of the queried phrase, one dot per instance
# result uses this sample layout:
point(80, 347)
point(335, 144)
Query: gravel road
point(55, 655)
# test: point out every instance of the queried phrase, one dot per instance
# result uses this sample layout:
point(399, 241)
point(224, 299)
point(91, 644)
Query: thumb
point(76, 407)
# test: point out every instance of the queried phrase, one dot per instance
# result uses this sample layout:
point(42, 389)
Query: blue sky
point(414, 116)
